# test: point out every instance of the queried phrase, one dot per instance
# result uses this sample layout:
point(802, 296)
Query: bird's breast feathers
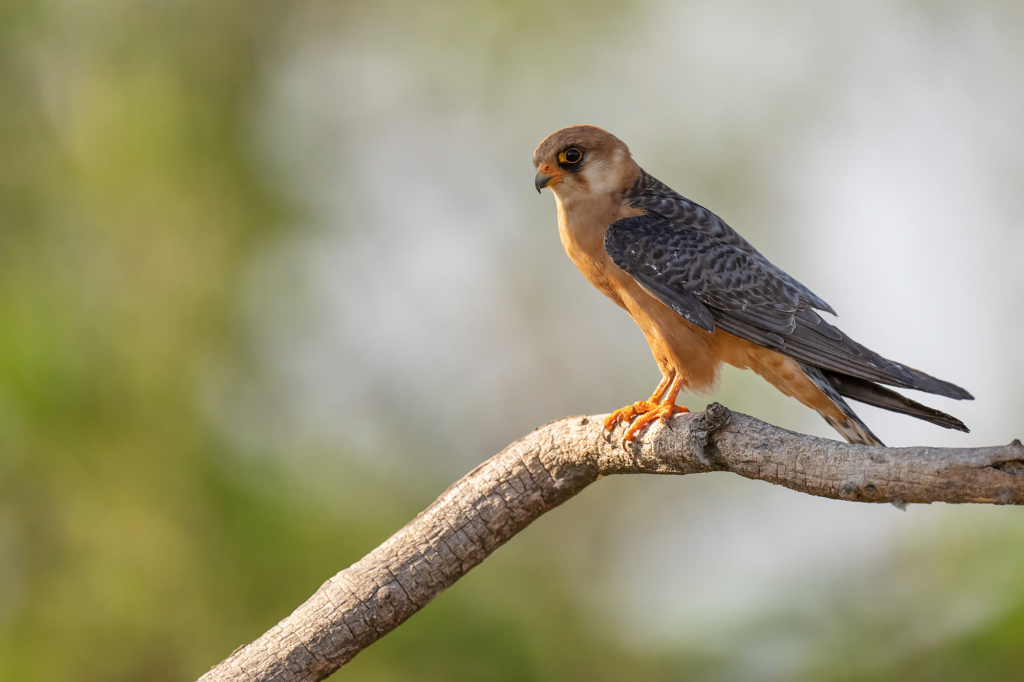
point(581, 227)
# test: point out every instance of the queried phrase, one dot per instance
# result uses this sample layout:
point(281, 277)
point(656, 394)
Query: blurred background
point(273, 275)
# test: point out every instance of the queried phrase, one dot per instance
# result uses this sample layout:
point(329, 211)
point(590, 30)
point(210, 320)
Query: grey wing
point(696, 264)
point(637, 254)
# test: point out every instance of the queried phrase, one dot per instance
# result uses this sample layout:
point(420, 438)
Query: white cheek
point(601, 178)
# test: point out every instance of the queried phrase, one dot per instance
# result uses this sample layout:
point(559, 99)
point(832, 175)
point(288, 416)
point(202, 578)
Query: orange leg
point(663, 411)
point(630, 412)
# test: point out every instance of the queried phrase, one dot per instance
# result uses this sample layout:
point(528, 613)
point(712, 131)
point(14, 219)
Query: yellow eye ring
point(571, 156)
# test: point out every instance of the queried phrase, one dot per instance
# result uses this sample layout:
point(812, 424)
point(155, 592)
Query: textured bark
point(503, 495)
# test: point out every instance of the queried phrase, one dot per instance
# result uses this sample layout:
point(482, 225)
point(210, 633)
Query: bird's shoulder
point(679, 214)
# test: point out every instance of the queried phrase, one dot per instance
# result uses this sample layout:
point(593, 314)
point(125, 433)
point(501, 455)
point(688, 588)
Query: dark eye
point(573, 155)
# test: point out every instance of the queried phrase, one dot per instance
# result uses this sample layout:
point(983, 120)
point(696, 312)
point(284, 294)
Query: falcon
point(703, 296)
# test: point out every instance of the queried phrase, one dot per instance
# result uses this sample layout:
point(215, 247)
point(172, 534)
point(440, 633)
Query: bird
point(704, 296)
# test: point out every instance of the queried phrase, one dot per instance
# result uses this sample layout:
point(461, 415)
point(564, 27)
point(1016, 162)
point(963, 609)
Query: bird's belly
point(678, 346)
point(598, 275)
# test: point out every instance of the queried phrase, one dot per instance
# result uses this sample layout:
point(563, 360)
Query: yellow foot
point(629, 413)
point(663, 412)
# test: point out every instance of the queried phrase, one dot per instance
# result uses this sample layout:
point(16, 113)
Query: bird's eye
point(571, 155)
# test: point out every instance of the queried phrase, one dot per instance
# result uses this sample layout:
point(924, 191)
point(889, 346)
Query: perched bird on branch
point(703, 295)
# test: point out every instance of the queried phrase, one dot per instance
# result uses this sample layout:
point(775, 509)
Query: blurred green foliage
point(136, 541)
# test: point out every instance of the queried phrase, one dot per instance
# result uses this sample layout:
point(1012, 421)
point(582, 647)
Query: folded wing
point(697, 265)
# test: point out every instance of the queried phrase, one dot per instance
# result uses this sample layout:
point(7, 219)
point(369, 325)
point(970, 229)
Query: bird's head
point(583, 162)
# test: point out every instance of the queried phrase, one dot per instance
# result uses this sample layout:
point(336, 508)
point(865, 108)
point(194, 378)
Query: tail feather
point(879, 396)
point(921, 382)
point(836, 385)
point(851, 427)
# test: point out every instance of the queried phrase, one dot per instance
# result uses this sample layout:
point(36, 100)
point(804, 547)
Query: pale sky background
point(872, 150)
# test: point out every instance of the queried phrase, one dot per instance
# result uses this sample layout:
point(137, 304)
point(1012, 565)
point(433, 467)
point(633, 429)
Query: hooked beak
point(546, 175)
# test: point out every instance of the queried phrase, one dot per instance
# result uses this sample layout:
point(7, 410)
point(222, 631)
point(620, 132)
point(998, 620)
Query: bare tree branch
point(505, 494)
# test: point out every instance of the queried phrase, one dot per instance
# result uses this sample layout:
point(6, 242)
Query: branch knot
point(714, 417)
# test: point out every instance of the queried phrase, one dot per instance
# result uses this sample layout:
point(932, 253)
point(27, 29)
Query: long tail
point(879, 396)
point(836, 385)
